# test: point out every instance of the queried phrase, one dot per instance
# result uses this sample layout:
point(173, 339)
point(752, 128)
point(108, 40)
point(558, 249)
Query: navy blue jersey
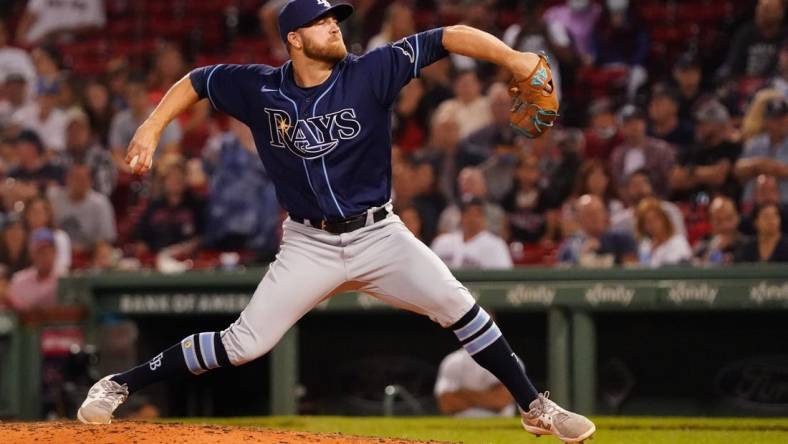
point(327, 148)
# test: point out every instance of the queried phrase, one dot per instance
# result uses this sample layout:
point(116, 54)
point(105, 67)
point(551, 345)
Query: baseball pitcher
point(322, 127)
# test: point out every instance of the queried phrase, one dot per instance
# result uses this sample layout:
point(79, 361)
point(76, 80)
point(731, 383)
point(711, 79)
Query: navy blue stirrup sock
point(195, 354)
point(482, 339)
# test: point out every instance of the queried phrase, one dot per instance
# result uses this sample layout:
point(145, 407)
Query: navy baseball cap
point(298, 13)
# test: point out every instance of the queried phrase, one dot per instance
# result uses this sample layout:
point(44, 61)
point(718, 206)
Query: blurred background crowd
point(671, 148)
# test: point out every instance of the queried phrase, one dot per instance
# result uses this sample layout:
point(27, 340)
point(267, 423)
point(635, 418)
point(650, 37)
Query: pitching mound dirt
point(132, 432)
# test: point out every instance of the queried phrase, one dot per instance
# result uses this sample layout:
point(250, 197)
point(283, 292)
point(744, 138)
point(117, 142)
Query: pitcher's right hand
point(139, 156)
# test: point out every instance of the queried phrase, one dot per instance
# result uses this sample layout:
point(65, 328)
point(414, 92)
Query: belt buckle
point(323, 224)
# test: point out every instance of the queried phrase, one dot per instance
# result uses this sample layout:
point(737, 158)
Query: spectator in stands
point(687, 77)
point(464, 389)
point(14, 98)
point(472, 246)
point(768, 152)
point(620, 41)
point(412, 220)
point(15, 61)
point(524, 206)
point(769, 245)
point(559, 154)
point(43, 117)
point(595, 245)
point(99, 110)
point(572, 24)
point(594, 178)
point(81, 147)
point(35, 287)
point(39, 214)
point(46, 20)
point(664, 121)
point(33, 166)
point(427, 197)
point(125, 124)
point(417, 102)
point(443, 151)
point(175, 216)
point(638, 151)
point(118, 74)
point(84, 214)
point(725, 239)
point(707, 167)
point(471, 184)
point(601, 135)
point(636, 189)
point(780, 79)
point(48, 64)
point(495, 147)
point(765, 192)
point(753, 52)
point(481, 144)
point(470, 108)
point(13, 244)
point(243, 212)
point(753, 123)
point(397, 24)
point(660, 243)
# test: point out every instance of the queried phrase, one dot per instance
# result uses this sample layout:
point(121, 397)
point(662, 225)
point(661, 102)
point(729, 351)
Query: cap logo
point(324, 3)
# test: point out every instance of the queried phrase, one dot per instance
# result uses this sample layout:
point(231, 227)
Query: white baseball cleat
point(545, 417)
point(103, 398)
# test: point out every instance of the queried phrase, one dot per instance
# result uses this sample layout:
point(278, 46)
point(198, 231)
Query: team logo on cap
point(324, 3)
point(313, 137)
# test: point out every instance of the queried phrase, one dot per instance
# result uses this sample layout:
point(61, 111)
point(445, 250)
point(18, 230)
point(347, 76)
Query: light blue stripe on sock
point(190, 355)
point(474, 326)
point(484, 340)
point(207, 350)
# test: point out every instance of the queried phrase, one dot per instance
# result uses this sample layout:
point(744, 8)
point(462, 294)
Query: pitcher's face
point(322, 40)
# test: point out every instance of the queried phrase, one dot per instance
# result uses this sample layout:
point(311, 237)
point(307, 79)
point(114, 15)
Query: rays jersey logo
point(407, 49)
point(314, 137)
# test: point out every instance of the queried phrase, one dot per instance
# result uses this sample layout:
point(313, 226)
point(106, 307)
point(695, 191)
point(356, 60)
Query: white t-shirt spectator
point(63, 15)
point(674, 251)
point(52, 131)
point(485, 250)
point(85, 222)
point(458, 371)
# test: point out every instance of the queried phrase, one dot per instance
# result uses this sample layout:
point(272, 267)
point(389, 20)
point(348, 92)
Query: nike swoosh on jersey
point(266, 90)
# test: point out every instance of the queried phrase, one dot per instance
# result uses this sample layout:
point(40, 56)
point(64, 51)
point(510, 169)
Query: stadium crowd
point(672, 146)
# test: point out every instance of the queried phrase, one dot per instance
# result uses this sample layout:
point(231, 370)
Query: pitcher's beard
point(331, 53)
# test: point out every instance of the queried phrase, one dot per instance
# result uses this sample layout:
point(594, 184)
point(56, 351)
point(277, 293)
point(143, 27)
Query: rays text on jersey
point(313, 137)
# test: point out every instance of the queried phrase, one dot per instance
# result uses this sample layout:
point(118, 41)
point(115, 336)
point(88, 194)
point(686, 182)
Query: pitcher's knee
point(245, 345)
point(450, 306)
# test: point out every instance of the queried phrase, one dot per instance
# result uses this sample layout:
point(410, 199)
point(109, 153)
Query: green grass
point(610, 430)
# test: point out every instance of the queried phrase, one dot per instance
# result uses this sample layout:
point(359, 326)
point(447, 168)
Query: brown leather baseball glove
point(535, 103)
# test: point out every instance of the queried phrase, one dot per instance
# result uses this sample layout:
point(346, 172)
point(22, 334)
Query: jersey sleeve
point(392, 66)
point(224, 86)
